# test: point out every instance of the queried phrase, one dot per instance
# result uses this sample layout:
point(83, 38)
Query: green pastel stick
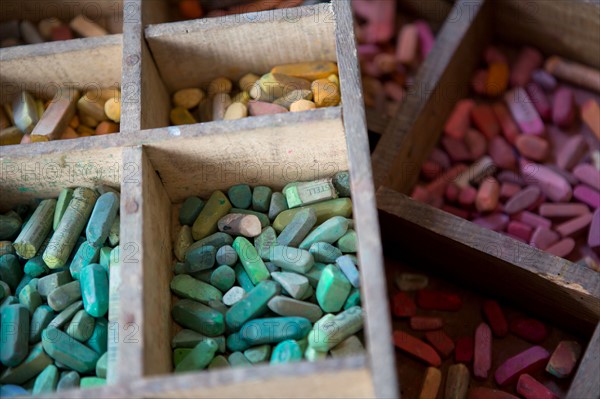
point(252, 262)
point(36, 361)
point(102, 218)
point(65, 196)
point(36, 230)
point(15, 336)
point(72, 224)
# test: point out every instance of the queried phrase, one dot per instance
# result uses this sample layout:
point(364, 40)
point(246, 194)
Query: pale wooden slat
point(586, 383)
point(332, 378)
point(97, 159)
point(378, 327)
point(87, 64)
point(537, 281)
point(145, 250)
point(145, 100)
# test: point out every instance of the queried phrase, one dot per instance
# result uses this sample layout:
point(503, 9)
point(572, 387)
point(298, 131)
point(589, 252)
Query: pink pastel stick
point(571, 152)
point(501, 153)
point(476, 143)
point(532, 219)
point(543, 238)
point(524, 112)
point(529, 60)
point(574, 226)
point(467, 196)
point(563, 107)
point(482, 359)
point(507, 124)
point(569, 177)
point(562, 248)
point(544, 79)
point(426, 38)
point(588, 174)
point(408, 42)
point(522, 200)
point(452, 192)
point(587, 195)
point(508, 189)
point(368, 51)
point(456, 149)
point(553, 185)
point(507, 176)
point(530, 388)
point(540, 101)
point(563, 210)
point(460, 119)
point(527, 361)
point(520, 229)
point(594, 233)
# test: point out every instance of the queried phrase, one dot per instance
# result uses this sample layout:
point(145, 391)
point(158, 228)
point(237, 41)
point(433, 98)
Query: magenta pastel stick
point(523, 111)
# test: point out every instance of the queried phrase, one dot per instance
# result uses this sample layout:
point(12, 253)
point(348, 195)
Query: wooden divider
point(488, 262)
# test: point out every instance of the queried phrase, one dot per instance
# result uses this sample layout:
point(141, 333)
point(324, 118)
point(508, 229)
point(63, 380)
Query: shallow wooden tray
point(544, 285)
point(157, 169)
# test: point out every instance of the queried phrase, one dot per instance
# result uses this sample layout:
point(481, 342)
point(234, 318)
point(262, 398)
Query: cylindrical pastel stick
point(35, 230)
point(72, 224)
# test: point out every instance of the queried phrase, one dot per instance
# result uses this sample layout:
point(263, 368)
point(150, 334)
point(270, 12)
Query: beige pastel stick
point(573, 72)
point(86, 28)
point(58, 114)
point(457, 382)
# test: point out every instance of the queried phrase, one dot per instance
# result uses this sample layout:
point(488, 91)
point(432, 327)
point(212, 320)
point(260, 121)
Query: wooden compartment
point(159, 168)
point(106, 13)
point(563, 294)
point(564, 28)
point(192, 53)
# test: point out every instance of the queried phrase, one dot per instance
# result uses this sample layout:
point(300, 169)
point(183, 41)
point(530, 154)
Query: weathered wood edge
point(144, 93)
point(558, 287)
point(67, 46)
point(586, 383)
point(378, 328)
point(411, 135)
point(155, 136)
point(331, 378)
point(130, 357)
point(221, 23)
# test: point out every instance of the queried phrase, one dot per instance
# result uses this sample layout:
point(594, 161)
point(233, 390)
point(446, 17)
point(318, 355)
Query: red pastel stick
point(424, 323)
point(416, 348)
point(495, 316)
point(438, 300)
point(440, 341)
point(463, 352)
point(530, 388)
point(403, 305)
point(530, 330)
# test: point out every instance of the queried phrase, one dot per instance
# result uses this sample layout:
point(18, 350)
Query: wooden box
point(547, 286)
point(87, 64)
point(158, 168)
